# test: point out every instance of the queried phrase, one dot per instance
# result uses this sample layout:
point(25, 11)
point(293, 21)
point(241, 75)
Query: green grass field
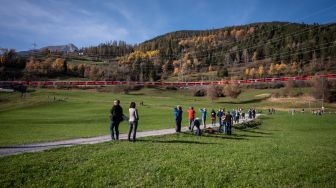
point(285, 151)
point(84, 113)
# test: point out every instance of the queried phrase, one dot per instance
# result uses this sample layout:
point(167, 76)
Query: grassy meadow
point(285, 151)
point(49, 114)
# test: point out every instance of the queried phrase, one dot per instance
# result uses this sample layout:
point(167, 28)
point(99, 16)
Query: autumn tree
point(322, 89)
point(247, 72)
point(271, 70)
point(232, 90)
point(288, 89)
point(261, 71)
point(252, 72)
point(60, 65)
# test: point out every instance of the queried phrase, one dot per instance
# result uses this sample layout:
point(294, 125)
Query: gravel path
point(36, 147)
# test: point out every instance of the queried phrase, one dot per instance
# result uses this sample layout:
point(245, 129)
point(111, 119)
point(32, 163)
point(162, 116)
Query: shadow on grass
point(231, 137)
point(136, 94)
point(221, 136)
point(175, 142)
point(254, 131)
point(245, 102)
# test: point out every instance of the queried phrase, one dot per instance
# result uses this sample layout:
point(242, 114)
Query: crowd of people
point(225, 119)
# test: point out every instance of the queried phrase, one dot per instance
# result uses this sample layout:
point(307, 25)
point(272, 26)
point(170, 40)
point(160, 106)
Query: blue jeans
point(133, 125)
point(203, 121)
point(114, 127)
point(225, 128)
point(191, 123)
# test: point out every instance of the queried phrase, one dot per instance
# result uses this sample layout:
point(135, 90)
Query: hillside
point(246, 51)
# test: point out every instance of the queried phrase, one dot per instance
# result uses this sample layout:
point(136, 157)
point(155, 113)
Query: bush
point(198, 92)
point(323, 89)
point(250, 124)
point(232, 90)
point(288, 89)
point(173, 88)
point(213, 92)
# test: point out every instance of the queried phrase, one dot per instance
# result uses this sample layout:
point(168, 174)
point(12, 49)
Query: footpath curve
point(37, 147)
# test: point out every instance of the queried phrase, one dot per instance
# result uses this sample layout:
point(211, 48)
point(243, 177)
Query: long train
point(179, 84)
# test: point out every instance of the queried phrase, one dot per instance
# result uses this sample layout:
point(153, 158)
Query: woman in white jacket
point(133, 121)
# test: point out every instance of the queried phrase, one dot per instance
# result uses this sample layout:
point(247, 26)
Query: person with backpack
point(191, 116)
point(178, 118)
point(116, 116)
point(213, 117)
point(204, 113)
point(133, 121)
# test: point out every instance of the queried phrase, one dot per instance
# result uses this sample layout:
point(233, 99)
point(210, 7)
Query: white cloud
point(57, 24)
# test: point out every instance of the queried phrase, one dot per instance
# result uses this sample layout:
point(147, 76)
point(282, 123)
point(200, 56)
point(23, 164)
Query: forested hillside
point(248, 51)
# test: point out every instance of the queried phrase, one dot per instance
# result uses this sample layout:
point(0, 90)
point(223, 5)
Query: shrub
point(322, 89)
point(250, 124)
point(232, 90)
point(213, 92)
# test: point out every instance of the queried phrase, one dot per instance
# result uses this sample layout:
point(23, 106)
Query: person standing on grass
point(219, 115)
point(116, 117)
point(191, 116)
point(178, 118)
point(213, 117)
point(133, 121)
point(228, 123)
point(237, 116)
point(204, 113)
point(222, 126)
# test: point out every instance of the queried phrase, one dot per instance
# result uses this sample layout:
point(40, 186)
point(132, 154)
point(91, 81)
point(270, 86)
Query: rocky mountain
point(62, 48)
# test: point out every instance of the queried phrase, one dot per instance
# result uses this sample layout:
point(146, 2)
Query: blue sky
point(90, 22)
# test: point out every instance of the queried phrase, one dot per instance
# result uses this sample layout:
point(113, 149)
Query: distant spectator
point(133, 121)
point(197, 124)
point(228, 123)
point(213, 117)
point(178, 118)
point(237, 116)
point(204, 114)
point(191, 116)
point(293, 111)
point(219, 115)
point(250, 113)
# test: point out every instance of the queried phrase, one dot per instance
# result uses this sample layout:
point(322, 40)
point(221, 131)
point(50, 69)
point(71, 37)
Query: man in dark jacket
point(116, 117)
point(178, 117)
point(228, 123)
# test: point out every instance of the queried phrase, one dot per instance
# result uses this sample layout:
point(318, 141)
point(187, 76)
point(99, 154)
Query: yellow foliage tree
point(59, 65)
point(261, 70)
point(271, 70)
point(247, 71)
point(252, 72)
